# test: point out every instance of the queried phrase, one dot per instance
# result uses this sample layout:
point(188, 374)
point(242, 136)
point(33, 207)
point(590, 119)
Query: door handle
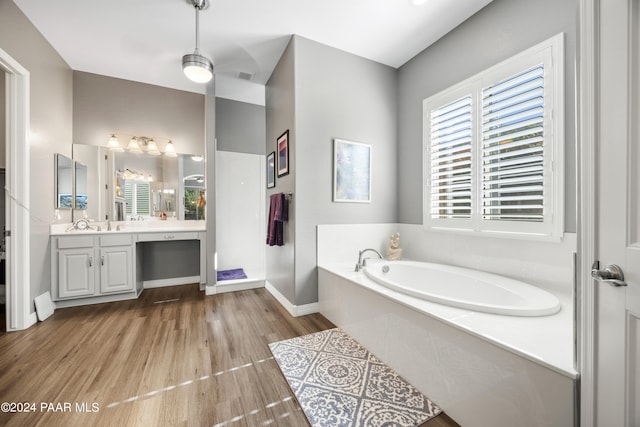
point(611, 274)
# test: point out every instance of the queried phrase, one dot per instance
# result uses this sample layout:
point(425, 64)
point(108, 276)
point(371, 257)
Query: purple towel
point(278, 214)
point(236, 273)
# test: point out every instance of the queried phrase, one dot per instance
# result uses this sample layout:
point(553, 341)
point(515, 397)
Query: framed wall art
point(271, 170)
point(351, 171)
point(283, 154)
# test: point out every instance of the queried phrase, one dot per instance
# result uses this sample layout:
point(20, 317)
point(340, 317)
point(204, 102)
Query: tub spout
point(363, 261)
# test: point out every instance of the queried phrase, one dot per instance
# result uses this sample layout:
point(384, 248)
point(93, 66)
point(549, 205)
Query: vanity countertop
point(118, 227)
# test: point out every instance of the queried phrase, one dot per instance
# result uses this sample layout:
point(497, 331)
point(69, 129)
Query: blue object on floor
point(236, 273)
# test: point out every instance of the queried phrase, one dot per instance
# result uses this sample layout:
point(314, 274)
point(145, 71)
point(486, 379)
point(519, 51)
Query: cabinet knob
point(90, 261)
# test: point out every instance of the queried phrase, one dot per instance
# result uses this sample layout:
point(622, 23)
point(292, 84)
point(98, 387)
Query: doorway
point(3, 293)
point(3, 252)
point(16, 193)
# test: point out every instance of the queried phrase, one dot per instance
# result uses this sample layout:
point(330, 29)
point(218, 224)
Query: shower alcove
point(240, 214)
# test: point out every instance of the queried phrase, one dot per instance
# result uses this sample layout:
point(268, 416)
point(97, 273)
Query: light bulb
point(170, 150)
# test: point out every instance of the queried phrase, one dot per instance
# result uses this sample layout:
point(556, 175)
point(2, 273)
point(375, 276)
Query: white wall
point(545, 264)
point(240, 212)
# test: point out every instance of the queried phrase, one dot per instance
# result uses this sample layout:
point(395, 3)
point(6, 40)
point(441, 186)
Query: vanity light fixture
point(142, 144)
point(152, 148)
point(170, 150)
point(114, 144)
point(197, 67)
point(133, 146)
point(197, 158)
point(129, 174)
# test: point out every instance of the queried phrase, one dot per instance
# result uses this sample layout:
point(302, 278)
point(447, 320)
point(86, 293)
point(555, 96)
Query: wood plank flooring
point(173, 357)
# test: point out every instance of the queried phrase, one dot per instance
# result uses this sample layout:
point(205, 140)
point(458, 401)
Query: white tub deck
point(545, 340)
point(484, 370)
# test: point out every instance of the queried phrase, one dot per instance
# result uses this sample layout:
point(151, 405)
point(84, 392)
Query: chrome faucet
point(362, 262)
point(108, 225)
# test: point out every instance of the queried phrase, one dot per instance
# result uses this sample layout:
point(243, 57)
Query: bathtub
point(464, 288)
point(485, 369)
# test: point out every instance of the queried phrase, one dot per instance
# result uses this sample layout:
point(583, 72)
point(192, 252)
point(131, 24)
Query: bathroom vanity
point(99, 265)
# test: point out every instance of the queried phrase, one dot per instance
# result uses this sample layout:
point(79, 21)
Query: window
point(493, 151)
point(137, 196)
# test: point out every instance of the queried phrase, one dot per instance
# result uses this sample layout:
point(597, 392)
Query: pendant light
point(197, 67)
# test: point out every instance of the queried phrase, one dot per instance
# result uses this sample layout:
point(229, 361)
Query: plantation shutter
point(451, 163)
point(512, 115)
point(137, 198)
point(143, 199)
point(128, 197)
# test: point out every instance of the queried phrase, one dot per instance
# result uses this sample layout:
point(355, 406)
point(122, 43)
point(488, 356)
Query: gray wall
point(320, 93)
point(51, 85)
point(240, 126)
point(169, 260)
point(280, 116)
point(339, 95)
point(210, 179)
point(104, 105)
point(497, 32)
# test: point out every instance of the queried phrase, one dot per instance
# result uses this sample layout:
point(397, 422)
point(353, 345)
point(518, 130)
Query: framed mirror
point(80, 186)
point(124, 185)
point(63, 182)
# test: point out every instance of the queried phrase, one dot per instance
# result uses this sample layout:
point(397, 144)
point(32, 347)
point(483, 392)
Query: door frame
point(588, 173)
point(17, 193)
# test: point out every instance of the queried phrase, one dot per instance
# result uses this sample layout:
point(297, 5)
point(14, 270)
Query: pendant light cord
point(197, 6)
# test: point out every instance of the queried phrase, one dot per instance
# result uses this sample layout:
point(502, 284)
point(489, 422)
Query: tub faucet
point(363, 261)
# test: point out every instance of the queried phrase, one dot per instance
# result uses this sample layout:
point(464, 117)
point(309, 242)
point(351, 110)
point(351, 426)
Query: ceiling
point(145, 41)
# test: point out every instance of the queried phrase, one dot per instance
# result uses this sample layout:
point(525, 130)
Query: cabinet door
point(76, 274)
point(116, 269)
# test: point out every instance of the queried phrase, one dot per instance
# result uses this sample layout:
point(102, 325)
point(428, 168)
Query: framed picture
point(283, 154)
point(271, 170)
point(351, 171)
point(65, 201)
point(81, 201)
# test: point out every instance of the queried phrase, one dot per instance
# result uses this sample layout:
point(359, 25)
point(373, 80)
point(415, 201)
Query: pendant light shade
point(133, 146)
point(114, 144)
point(197, 67)
point(170, 150)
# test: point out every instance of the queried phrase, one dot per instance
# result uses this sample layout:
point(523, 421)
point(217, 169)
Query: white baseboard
point(76, 302)
point(222, 287)
point(33, 319)
point(294, 310)
point(161, 283)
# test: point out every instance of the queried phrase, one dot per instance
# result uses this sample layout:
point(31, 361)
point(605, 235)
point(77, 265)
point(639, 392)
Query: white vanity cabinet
point(92, 265)
point(116, 263)
point(75, 261)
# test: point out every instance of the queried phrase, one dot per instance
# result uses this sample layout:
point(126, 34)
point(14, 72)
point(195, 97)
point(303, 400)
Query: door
point(76, 273)
point(116, 269)
point(617, 309)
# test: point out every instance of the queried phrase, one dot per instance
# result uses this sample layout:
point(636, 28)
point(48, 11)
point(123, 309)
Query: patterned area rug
point(340, 383)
